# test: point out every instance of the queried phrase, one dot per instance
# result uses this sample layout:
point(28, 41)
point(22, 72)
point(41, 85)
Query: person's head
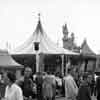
point(85, 77)
point(89, 78)
point(1, 75)
point(10, 78)
point(39, 73)
point(48, 72)
point(27, 72)
point(44, 73)
point(69, 70)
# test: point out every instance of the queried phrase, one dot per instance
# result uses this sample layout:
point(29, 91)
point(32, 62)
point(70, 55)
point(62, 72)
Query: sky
point(18, 20)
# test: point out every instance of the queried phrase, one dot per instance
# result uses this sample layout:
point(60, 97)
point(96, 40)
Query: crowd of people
point(46, 86)
point(40, 85)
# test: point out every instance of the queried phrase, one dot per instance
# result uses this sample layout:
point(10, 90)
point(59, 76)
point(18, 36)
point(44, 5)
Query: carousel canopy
point(46, 46)
point(6, 61)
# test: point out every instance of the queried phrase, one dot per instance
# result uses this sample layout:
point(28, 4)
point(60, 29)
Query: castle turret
point(69, 41)
point(72, 37)
point(65, 32)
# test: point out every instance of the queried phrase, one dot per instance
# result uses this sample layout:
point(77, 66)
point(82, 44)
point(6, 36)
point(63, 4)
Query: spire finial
point(39, 16)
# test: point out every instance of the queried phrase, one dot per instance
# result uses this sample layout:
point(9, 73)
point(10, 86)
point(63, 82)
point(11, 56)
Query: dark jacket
point(84, 92)
point(98, 86)
point(27, 87)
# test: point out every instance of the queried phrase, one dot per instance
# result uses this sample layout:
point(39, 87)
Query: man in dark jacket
point(98, 88)
point(84, 90)
point(39, 82)
point(28, 83)
point(92, 85)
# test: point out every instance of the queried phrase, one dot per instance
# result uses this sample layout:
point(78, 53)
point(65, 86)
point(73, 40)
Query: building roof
point(46, 46)
point(86, 50)
point(6, 61)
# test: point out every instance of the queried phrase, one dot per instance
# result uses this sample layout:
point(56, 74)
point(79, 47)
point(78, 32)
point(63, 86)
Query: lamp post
point(36, 48)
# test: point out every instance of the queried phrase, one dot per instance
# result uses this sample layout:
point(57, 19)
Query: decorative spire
point(39, 15)
point(65, 29)
point(39, 25)
point(85, 41)
point(57, 42)
point(72, 36)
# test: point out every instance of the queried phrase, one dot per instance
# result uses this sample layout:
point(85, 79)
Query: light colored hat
point(28, 69)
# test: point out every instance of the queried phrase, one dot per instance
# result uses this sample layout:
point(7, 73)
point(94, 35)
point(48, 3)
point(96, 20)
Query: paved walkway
point(62, 98)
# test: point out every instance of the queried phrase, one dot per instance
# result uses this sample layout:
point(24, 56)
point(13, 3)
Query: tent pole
point(67, 65)
point(62, 68)
point(37, 61)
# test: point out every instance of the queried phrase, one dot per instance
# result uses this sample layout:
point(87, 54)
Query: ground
point(62, 98)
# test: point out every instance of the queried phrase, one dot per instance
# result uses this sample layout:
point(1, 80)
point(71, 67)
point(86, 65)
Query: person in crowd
point(92, 85)
point(39, 82)
point(2, 85)
point(58, 84)
point(71, 88)
point(95, 77)
point(84, 89)
point(48, 87)
point(13, 91)
point(63, 86)
point(28, 84)
point(53, 82)
point(98, 88)
point(44, 74)
point(80, 80)
point(76, 77)
point(20, 80)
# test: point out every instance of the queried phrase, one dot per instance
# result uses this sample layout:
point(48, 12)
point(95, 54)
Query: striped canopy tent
point(46, 46)
point(7, 62)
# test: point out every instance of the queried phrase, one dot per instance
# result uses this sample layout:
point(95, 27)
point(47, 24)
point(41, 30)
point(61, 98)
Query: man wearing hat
point(71, 88)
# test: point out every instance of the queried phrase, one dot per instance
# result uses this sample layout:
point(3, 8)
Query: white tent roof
point(46, 46)
point(6, 61)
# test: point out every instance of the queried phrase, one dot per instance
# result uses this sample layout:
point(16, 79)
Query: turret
point(65, 32)
point(72, 37)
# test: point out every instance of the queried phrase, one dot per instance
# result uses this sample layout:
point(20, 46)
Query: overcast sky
point(18, 19)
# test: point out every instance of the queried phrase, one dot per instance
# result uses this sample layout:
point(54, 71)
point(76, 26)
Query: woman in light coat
point(47, 88)
point(71, 88)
